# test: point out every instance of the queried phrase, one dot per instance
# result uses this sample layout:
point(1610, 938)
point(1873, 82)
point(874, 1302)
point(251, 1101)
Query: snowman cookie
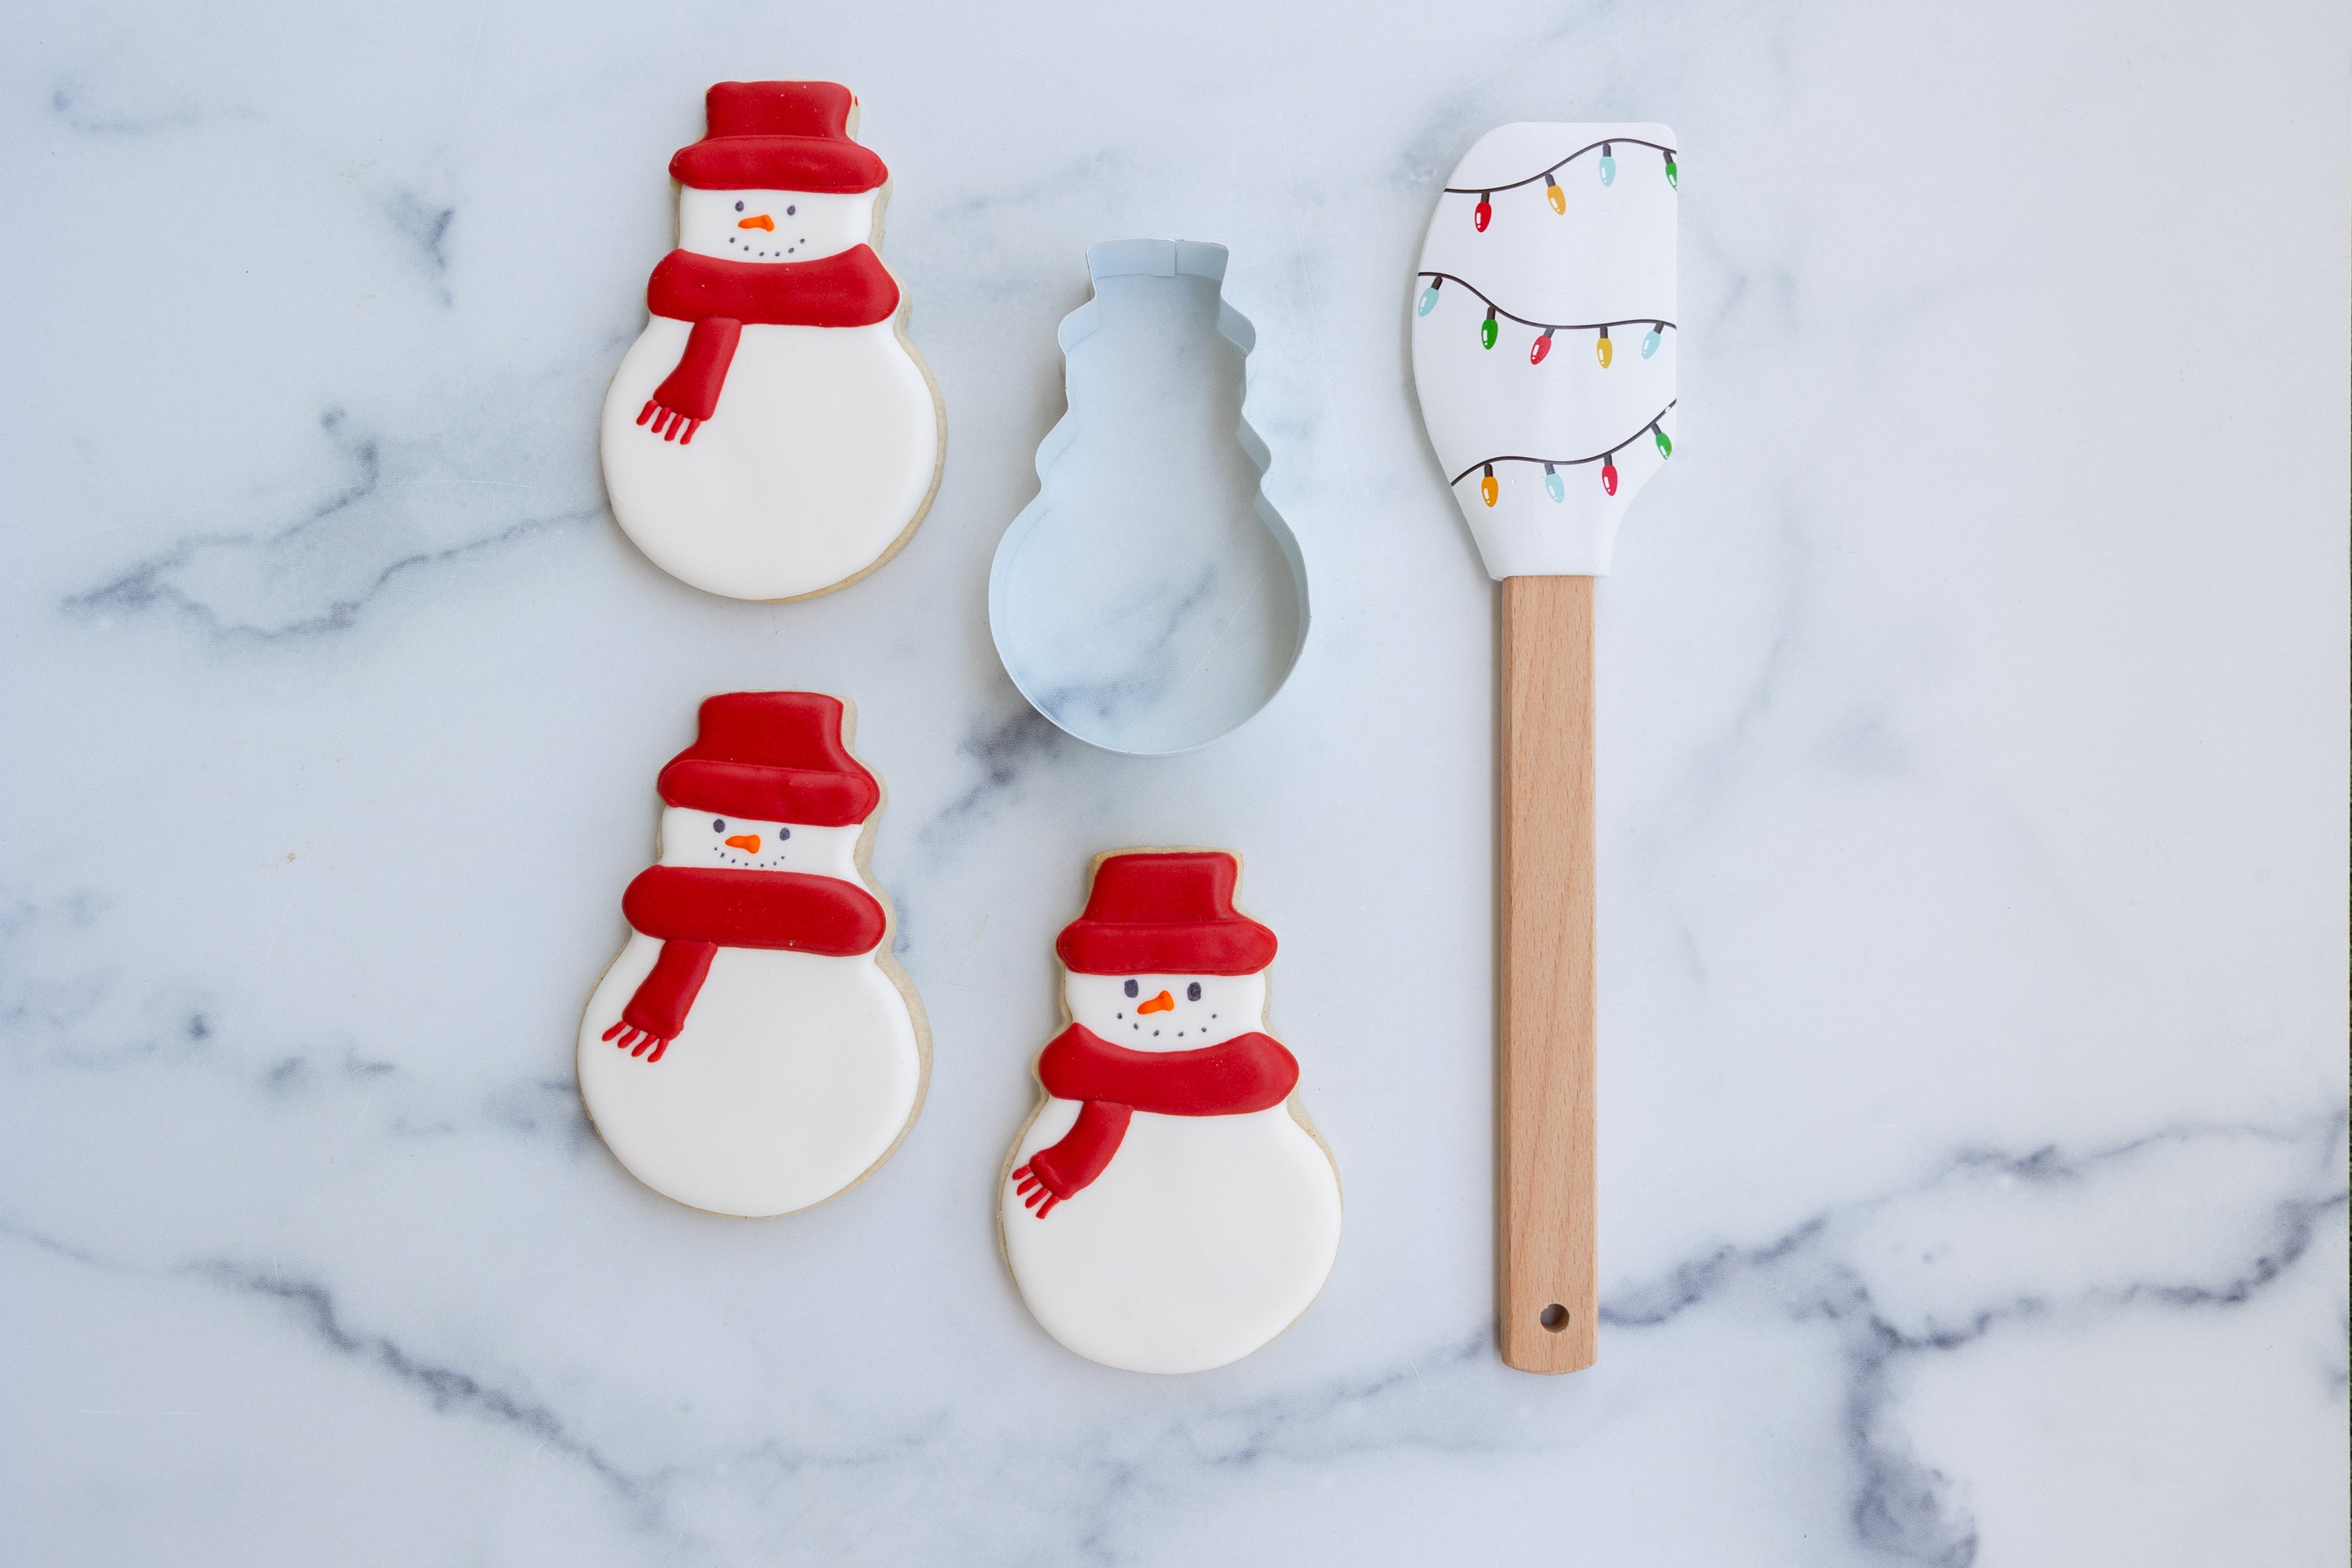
point(771, 434)
point(755, 1048)
point(1167, 1208)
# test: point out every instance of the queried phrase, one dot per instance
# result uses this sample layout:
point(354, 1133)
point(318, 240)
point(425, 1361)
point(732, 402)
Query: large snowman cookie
point(1167, 1208)
point(771, 434)
point(755, 1048)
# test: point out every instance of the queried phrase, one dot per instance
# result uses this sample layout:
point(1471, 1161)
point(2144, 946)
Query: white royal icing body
point(1610, 257)
point(794, 1075)
point(1204, 1239)
point(823, 445)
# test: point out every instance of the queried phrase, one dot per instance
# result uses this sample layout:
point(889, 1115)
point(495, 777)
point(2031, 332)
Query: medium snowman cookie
point(1167, 1208)
point(755, 1048)
point(771, 434)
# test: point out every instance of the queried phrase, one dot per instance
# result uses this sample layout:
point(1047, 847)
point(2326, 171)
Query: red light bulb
point(1485, 212)
point(1609, 473)
point(1543, 347)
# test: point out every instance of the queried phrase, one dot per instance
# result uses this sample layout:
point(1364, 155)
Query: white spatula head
point(1544, 337)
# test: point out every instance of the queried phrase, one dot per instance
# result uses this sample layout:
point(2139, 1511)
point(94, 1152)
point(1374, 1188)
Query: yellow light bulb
point(1488, 488)
point(1602, 351)
point(1555, 196)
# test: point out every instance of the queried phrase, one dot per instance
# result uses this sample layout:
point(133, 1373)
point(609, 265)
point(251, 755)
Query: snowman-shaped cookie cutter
point(1116, 610)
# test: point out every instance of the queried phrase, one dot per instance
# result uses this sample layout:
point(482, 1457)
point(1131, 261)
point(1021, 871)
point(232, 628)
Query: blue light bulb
point(1429, 301)
point(1608, 165)
point(1649, 342)
point(1552, 485)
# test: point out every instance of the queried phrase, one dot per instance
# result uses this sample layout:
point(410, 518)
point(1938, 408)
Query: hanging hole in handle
point(1554, 1316)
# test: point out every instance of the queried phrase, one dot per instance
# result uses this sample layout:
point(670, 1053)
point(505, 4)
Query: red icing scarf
point(1248, 1072)
point(848, 290)
point(697, 910)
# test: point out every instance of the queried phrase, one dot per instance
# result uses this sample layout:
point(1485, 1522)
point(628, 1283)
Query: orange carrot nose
point(1163, 1003)
point(750, 844)
point(762, 221)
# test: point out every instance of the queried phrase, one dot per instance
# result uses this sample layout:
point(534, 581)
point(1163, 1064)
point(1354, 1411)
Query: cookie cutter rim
point(1149, 258)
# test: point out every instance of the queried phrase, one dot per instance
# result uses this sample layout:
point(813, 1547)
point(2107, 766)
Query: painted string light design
point(1605, 166)
point(1489, 333)
point(1490, 487)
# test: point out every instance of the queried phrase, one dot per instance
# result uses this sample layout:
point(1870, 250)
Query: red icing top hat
point(774, 755)
point(1165, 914)
point(778, 136)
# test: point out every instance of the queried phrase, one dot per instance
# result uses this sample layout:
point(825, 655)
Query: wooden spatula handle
point(1546, 1295)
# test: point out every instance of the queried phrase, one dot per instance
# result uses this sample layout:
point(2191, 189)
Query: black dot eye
point(782, 834)
point(790, 211)
point(1130, 988)
point(739, 206)
point(718, 825)
point(1192, 992)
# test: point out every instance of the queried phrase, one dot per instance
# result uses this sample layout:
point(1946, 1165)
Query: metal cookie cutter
point(1150, 599)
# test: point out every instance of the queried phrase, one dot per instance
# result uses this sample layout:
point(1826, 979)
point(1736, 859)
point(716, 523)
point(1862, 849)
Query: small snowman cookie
point(755, 1048)
point(771, 434)
point(1167, 1208)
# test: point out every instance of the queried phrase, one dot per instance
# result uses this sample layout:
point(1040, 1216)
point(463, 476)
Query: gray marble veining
point(1973, 787)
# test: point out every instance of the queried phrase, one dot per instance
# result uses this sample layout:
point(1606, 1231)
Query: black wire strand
point(1567, 462)
point(1555, 168)
point(1549, 326)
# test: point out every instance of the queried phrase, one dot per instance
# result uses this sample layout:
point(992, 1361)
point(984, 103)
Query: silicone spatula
point(1543, 352)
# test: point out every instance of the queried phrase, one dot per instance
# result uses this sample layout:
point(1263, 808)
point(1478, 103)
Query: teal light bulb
point(1649, 340)
point(1429, 301)
point(1552, 485)
point(1608, 165)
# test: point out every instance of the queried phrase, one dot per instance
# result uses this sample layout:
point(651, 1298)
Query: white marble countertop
point(1972, 802)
